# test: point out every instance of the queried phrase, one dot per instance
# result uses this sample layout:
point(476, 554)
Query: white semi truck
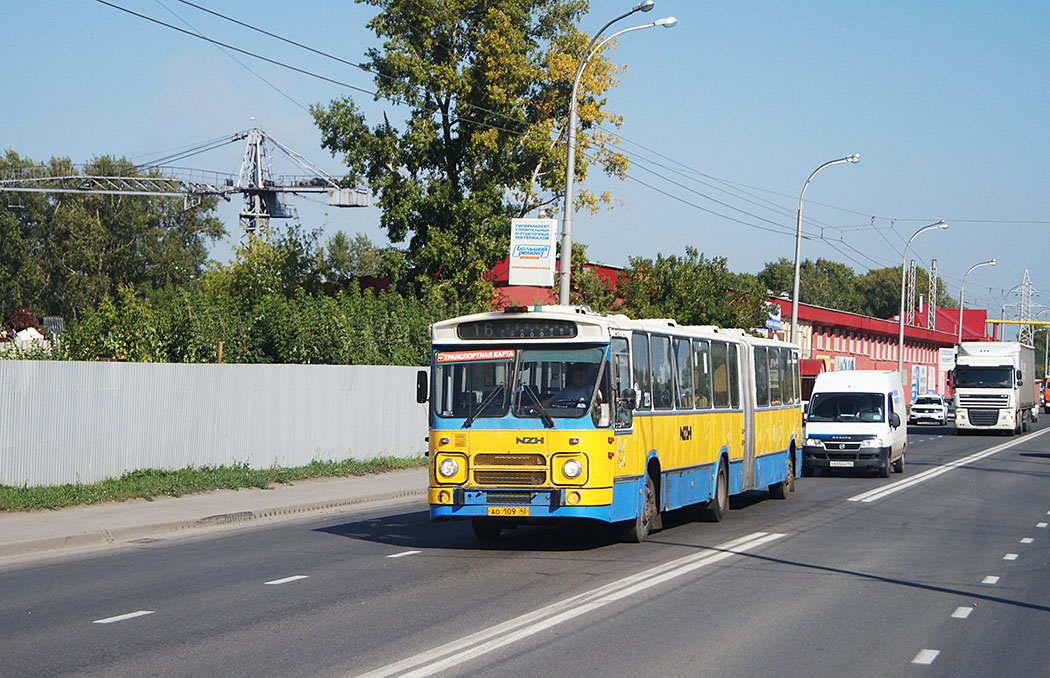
point(994, 386)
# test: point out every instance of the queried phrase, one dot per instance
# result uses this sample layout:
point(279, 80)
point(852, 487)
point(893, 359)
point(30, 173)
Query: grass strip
point(149, 483)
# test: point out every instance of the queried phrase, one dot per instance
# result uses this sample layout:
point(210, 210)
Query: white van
point(855, 420)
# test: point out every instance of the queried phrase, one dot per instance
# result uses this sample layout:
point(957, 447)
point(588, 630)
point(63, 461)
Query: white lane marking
point(990, 579)
point(1027, 540)
point(1010, 556)
point(403, 554)
point(122, 617)
point(962, 612)
point(441, 659)
point(287, 579)
point(1040, 524)
point(925, 656)
point(892, 488)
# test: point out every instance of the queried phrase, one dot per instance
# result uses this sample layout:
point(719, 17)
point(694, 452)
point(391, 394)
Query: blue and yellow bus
point(556, 412)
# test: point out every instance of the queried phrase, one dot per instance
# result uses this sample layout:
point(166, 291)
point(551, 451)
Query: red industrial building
point(836, 340)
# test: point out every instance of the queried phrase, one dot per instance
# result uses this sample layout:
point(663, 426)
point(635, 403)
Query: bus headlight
point(448, 468)
point(572, 468)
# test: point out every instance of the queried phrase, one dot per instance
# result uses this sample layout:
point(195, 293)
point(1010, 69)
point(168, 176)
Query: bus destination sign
point(517, 329)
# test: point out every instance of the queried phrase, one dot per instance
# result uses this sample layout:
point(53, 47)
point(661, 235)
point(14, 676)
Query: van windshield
point(866, 407)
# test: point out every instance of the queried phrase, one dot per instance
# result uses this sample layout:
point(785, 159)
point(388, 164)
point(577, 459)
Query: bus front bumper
point(525, 505)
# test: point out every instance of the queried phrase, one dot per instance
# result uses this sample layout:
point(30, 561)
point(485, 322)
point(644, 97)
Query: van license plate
point(509, 511)
point(840, 464)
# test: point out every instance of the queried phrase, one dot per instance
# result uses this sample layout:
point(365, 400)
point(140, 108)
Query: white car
point(931, 408)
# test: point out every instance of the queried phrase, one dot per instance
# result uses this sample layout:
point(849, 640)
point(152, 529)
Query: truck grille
point(510, 477)
point(983, 417)
point(980, 400)
point(509, 459)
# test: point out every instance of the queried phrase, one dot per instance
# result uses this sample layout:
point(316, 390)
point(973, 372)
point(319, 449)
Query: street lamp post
point(962, 288)
point(593, 47)
point(900, 338)
point(855, 158)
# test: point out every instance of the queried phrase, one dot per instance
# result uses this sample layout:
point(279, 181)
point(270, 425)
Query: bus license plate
point(509, 511)
point(841, 464)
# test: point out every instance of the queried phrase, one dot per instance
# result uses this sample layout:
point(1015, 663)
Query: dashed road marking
point(1010, 556)
point(892, 488)
point(925, 656)
point(1040, 525)
point(990, 579)
point(122, 617)
point(287, 579)
point(962, 612)
point(403, 554)
point(1027, 540)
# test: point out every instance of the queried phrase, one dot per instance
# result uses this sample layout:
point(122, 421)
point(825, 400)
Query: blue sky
point(947, 103)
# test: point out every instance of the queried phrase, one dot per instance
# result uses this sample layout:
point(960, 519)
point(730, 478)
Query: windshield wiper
point(546, 418)
point(481, 408)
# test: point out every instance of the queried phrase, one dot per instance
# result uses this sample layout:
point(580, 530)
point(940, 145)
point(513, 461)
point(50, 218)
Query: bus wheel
point(780, 490)
point(717, 506)
point(635, 531)
point(486, 529)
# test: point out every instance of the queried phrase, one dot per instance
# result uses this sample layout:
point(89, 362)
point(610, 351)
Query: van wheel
point(716, 507)
point(486, 529)
point(898, 466)
point(780, 490)
point(635, 531)
point(884, 470)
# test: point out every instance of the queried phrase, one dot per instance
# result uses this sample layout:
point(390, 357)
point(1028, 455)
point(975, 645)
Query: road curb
point(125, 534)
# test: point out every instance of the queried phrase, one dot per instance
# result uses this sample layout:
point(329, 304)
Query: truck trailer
point(993, 382)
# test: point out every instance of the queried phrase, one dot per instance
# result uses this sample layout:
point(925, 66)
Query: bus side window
point(720, 373)
point(663, 385)
point(761, 377)
point(683, 374)
point(623, 417)
point(788, 383)
point(702, 373)
point(642, 378)
point(774, 377)
point(734, 377)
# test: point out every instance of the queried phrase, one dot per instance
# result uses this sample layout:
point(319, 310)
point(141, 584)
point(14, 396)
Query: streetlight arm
point(962, 289)
point(900, 337)
point(855, 158)
point(593, 47)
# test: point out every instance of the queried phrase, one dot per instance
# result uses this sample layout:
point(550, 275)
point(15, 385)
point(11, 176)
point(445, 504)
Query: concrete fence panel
point(67, 422)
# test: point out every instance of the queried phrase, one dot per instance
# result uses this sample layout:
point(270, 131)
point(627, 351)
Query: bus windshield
point(847, 407)
point(549, 382)
point(986, 377)
point(556, 382)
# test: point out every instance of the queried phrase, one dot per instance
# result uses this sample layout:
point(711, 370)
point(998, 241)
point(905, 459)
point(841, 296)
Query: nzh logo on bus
point(529, 440)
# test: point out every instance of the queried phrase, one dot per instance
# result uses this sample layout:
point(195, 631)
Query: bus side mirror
point(422, 391)
point(629, 399)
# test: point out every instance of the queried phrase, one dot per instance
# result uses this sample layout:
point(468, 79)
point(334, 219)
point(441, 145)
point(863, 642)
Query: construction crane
point(263, 195)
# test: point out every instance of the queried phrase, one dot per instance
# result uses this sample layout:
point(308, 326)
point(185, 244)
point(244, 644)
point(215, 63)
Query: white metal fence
point(66, 422)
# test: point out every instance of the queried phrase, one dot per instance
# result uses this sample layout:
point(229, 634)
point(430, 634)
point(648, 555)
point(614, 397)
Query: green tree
point(66, 253)
point(693, 290)
point(487, 83)
point(822, 282)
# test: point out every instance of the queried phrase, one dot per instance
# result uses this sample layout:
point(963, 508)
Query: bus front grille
point(510, 477)
point(509, 459)
point(497, 497)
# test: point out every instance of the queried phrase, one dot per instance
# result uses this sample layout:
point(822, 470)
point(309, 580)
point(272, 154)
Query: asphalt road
point(940, 571)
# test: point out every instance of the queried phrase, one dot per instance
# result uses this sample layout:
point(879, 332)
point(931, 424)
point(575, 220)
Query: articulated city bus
point(556, 412)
